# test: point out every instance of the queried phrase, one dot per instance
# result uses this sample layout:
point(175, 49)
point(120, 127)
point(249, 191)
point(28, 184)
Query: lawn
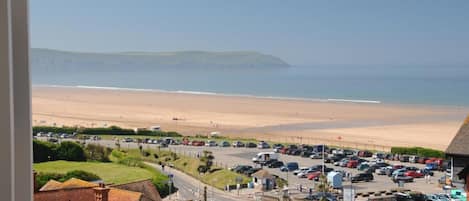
point(109, 172)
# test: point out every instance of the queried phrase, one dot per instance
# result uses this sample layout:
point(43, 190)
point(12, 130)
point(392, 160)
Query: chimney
point(35, 189)
point(101, 193)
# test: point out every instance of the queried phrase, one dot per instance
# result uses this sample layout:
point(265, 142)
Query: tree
point(70, 151)
point(207, 162)
point(44, 151)
point(323, 185)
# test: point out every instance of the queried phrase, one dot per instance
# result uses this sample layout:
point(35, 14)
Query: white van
point(265, 156)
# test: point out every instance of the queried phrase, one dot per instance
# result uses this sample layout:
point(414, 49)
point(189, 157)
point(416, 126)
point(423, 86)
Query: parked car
point(224, 144)
point(404, 158)
point(379, 155)
point(241, 168)
point(363, 166)
point(321, 196)
point(277, 147)
point(289, 167)
point(238, 144)
point(211, 143)
point(313, 176)
point(304, 174)
point(352, 164)
point(406, 179)
point(251, 145)
point(250, 171)
point(263, 145)
point(414, 159)
point(365, 154)
point(301, 169)
point(198, 143)
point(426, 171)
point(362, 177)
point(316, 156)
point(381, 171)
point(275, 164)
point(413, 174)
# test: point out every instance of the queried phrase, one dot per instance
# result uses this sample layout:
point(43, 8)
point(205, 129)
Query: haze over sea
point(427, 85)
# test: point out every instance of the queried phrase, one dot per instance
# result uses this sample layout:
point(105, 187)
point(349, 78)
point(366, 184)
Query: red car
point(352, 164)
point(198, 143)
point(313, 175)
point(413, 174)
point(284, 150)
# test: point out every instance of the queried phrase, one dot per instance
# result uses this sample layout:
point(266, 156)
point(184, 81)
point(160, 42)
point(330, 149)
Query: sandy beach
point(374, 126)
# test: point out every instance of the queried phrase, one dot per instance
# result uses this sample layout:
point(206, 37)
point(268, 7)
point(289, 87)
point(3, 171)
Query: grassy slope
point(218, 179)
point(109, 172)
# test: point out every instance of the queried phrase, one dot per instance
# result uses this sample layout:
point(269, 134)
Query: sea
point(374, 84)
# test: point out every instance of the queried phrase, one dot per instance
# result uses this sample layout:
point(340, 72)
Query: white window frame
point(15, 102)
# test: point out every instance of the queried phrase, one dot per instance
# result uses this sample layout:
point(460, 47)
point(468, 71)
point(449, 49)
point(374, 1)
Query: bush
point(113, 130)
point(70, 151)
point(98, 153)
point(80, 174)
point(419, 151)
point(44, 151)
point(53, 129)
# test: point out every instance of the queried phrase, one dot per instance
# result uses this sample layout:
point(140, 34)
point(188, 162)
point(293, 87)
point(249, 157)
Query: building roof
point(51, 185)
point(83, 191)
point(146, 187)
point(262, 174)
point(123, 195)
point(460, 143)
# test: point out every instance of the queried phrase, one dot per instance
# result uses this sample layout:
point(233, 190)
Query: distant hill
point(48, 61)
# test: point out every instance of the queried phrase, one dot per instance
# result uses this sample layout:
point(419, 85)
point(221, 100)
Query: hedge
point(419, 151)
point(113, 130)
point(53, 129)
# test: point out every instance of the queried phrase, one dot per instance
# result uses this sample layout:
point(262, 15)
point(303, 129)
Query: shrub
point(70, 151)
point(98, 153)
point(53, 129)
point(44, 151)
point(419, 151)
point(80, 174)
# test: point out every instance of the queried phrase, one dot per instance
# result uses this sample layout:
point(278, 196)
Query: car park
point(362, 177)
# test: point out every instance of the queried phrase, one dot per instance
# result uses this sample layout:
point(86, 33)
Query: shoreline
point(283, 98)
point(287, 120)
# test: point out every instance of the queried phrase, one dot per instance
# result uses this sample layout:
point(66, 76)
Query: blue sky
point(302, 32)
